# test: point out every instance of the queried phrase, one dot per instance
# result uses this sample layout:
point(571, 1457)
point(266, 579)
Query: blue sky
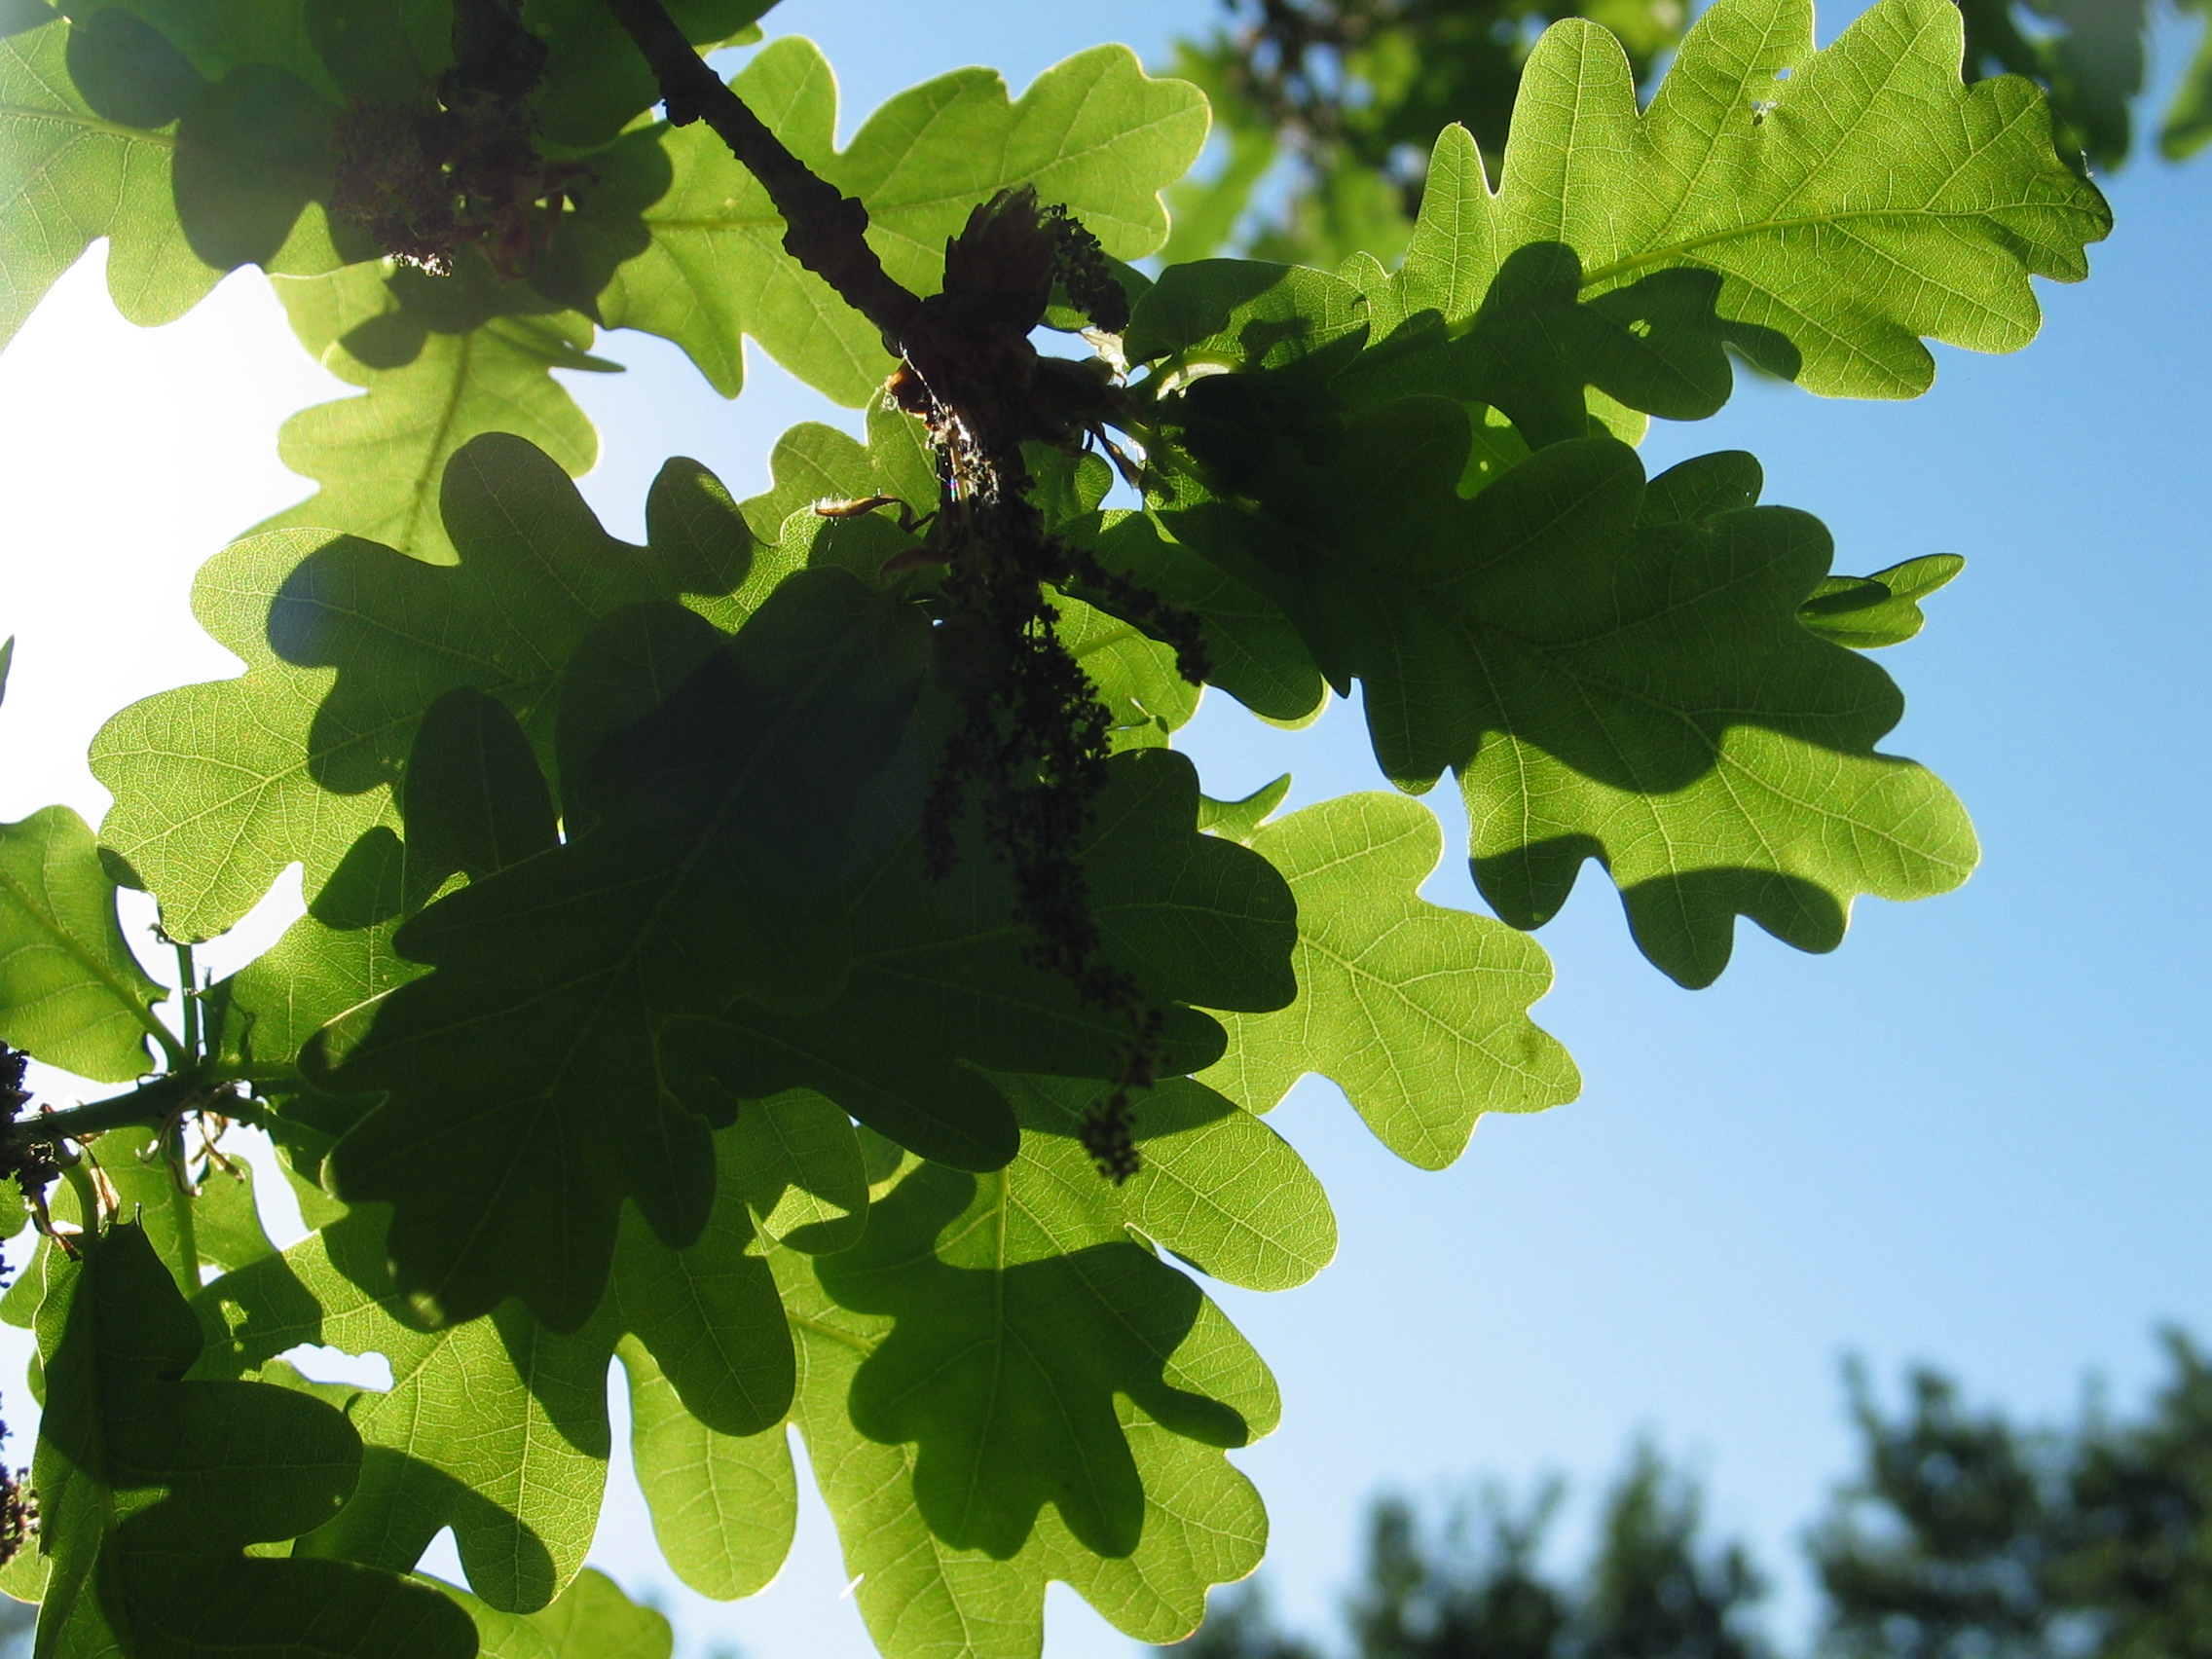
point(1976, 1135)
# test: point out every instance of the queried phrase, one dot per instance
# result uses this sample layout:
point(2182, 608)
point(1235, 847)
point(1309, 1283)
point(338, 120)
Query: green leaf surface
point(706, 1315)
point(728, 822)
point(185, 178)
point(2188, 125)
point(1240, 820)
point(498, 1426)
point(1252, 314)
point(1005, 1377)
point(591, 1619)
point(813, 463)
point(215, 39)
point(474, 803)
point(594, 1620)
point(1216, 1185)
point(1613, 670)
point(333, 961)
point(151, 1489)
point(796, 1158)
point(1867, 613)
point(380, 460)
point(596, 81)
point(971, 1378)
point(1203, 1525)
point(217, 1228)
point(1134, 677)
point(679, 240)
point(71, 992)
point(1791, 813)
point(73, 178)
point(1854, 201)
point(941, 985)
point(219, 786)
point(1254, 650)
point(1419, 1013)
point(198, 138)
point(724, 1507)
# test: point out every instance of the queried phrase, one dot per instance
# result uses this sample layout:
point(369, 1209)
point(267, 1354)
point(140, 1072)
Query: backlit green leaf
point(1203, 1525)
point(335, 959)
point(498, 1426)
point(70, 991)
point(151, 1489)
point(185, 176)
point(592, 1619)
point(726, 824)
point(74, 177)
point(725, 1507)
point(1027, 1276)
point(2187, 125)
point(595, 79)
point(1418, 1012)
point(1613, 673)
point(941, 986)
point(1004, 1377)
point(1881, 610)
point(217, 1228)
point(380, 458)
point(1134, 677)
point(677, 238)
point(1240, 820)
point(1216, 1185)
point(1854, 200)
point(219, 786)
point(1254, 650)
point(475, 801)
point(796, 1158)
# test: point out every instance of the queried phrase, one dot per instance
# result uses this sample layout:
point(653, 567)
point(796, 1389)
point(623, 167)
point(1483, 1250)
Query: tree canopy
point(788, 956)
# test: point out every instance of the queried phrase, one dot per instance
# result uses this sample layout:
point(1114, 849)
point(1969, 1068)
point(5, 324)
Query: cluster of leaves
point(1962, 1535)
point(196, 139)
point(632, 1018)
point(1325, 108)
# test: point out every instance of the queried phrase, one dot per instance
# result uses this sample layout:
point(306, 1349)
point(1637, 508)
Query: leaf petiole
point(188, 995)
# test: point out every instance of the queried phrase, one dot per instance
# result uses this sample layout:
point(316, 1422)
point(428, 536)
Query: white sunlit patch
point(319, 1363)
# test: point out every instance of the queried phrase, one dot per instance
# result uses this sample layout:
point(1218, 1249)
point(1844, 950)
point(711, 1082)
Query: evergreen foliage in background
point(1962, 1534)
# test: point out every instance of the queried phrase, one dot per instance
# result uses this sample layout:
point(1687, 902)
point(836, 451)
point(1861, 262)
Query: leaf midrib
point(85, 122)
point(550, 1098)
point(91, 124)
point(76, 952)
point(1659, 256)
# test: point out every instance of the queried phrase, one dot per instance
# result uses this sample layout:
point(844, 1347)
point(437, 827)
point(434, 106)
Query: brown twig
point(825, 230)
point(1033, 741)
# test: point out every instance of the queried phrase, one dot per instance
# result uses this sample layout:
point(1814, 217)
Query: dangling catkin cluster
point(1032, 744)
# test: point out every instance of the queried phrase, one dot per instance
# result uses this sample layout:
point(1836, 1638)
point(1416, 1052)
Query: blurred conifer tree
point(1962, 1535)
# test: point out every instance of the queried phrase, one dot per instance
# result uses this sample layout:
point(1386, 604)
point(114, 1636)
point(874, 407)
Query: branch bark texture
point(825, 230)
